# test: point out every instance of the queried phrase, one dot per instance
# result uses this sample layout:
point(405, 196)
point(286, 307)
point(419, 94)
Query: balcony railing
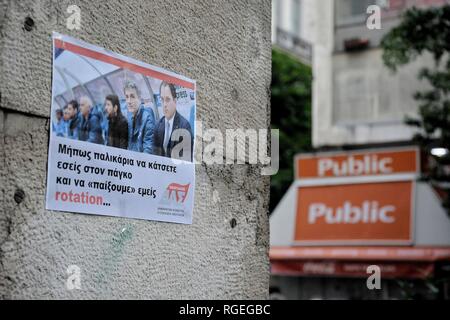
point(295, 45)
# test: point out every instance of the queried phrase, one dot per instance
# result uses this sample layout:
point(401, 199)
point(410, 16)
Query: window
point(99, 90)
point(68, 95)
point(79, 92)
point(60, 101)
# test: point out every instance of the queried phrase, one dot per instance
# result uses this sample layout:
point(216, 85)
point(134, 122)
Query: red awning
point(361, 253)
point(394, 262)
point(409, 270)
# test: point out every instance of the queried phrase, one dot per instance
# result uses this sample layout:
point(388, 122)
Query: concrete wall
point(322, 89)
point(369, 101)
point(225, 46)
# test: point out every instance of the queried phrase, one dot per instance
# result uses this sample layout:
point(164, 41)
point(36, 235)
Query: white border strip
point(309, 155)
point(354, 180)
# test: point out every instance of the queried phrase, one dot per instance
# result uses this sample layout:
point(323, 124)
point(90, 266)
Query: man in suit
point(172, 120)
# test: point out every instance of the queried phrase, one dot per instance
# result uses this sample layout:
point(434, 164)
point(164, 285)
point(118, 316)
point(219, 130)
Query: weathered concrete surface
point(225, 46)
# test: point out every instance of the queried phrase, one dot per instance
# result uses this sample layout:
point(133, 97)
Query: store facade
point(348, 210)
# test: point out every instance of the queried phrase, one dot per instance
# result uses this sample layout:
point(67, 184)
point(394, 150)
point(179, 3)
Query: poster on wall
point(121, 137)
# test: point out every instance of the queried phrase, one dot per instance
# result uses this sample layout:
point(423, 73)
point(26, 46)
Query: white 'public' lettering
point(353, 167)
point(369, 212)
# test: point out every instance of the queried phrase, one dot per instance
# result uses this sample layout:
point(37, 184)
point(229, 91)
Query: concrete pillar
point(225, 46)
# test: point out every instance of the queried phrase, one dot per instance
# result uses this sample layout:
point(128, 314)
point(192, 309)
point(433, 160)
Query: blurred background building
point(357, 106)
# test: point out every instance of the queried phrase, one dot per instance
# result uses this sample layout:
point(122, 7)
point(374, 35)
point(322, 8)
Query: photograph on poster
point(122, 136)
point(102, 103)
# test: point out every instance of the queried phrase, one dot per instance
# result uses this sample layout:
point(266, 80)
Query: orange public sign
point(361, 163)
point(363, 213)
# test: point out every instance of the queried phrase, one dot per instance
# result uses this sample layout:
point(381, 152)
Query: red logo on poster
point(177, 192)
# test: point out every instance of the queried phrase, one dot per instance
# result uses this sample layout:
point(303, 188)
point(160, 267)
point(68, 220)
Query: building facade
point(356, 99)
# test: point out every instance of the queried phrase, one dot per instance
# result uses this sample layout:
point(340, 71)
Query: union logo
point(177, 192)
